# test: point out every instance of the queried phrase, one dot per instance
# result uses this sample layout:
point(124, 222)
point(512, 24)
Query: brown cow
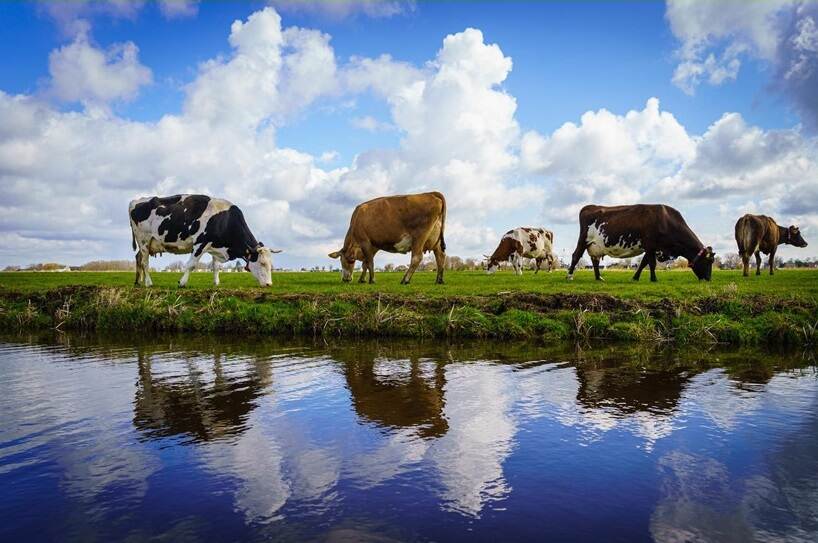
point(395, 224)
point(760, 234)
point(659, 231)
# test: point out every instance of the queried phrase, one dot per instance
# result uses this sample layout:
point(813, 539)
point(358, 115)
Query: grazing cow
point(760, 234)
point(522, 243)
point(658, 231)
point(395, 224)
point(196, 224)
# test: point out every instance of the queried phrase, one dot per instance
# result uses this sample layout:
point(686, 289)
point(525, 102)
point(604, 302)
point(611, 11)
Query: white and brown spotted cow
point(520, 243)
point(658, 231)
point(195, 224)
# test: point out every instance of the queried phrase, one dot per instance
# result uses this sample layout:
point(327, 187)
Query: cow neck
point(503, 251)
point(783, 235)
point(690, 246)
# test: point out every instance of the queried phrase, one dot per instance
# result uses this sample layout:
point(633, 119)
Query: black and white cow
point(520, 243)
point(658, 231)
point(195, 224)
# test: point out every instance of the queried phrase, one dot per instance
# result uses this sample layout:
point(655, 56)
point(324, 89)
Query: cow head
point(794, 237)
point(260, 264)
point(347, 258)
point(492, 264)
point(702, 264)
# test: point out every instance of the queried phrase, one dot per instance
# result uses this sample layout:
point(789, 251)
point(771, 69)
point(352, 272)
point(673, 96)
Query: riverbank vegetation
point(782, 309)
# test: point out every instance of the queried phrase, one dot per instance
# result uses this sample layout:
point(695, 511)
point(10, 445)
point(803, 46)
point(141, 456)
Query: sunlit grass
point(677, 284)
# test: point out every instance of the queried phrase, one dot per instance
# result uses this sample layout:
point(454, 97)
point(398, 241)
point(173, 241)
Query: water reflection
point(395, 387)
point(192, 401)
point(406, 440)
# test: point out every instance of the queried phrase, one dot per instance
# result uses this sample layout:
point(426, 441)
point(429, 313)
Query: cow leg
point(517, 263)
point(368, 263)
point(652, 264)
point(440, 262)
point(642, 264)
point(758, 262)
point(146, 273)
point(595, 261)
point(537, 262)
point(581, 243)
point(142, 258)
point(362, 278)
point(745, 261)
point(138, 268)
point(216, 267)
point(772, 262)
point(417, 257)
point(189, 266)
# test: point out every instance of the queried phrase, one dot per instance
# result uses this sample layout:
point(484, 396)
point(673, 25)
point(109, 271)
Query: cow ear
point(260, 244)
point(336, 254)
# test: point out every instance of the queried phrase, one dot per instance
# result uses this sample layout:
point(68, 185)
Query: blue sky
point(567, 59)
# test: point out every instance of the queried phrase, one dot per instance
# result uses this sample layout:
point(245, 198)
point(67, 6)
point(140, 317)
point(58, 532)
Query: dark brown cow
point(756, 234)
point(395, 224)
point(658, 231)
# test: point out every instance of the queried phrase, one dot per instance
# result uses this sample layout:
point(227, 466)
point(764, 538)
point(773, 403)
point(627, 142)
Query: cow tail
point(744, 236)
point(133, 240)
point(442, 221)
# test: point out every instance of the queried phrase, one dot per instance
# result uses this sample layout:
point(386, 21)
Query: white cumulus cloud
point(715, 35)
point(606, 158)
point(81, 72)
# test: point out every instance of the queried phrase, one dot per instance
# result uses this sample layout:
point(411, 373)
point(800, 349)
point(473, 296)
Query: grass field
point(732, 309)
point(676, 284)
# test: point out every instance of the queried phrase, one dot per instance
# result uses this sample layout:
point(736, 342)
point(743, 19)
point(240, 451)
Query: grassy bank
point(758, 310)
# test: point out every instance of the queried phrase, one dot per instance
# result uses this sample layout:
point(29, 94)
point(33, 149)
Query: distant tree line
point(94, 265)
point(728, 261)
point(732, 261)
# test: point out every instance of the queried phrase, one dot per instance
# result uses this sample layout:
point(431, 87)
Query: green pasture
point(672, 284)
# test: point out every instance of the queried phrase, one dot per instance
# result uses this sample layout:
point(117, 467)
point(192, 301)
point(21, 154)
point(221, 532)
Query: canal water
point(219, 439)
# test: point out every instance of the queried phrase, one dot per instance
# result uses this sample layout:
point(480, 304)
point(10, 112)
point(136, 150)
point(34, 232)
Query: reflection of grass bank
point(722, 316)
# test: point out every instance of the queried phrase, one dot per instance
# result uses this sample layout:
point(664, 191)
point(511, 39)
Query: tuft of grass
point(810, 332)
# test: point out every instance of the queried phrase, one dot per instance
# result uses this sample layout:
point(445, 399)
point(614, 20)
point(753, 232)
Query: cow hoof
point(600, 279)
